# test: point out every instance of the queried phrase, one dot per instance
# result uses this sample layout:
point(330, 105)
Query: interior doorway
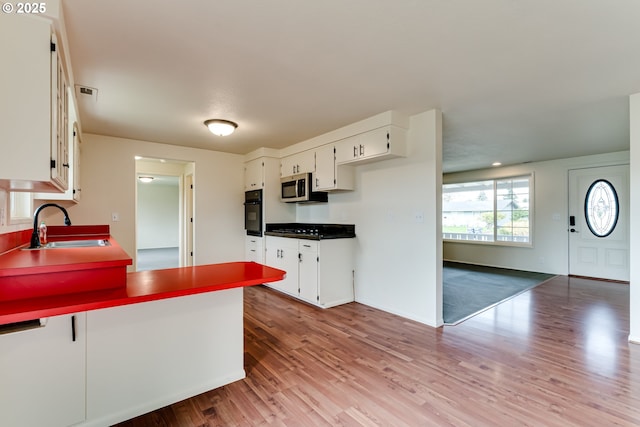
point(164, 213)
point(599, 222)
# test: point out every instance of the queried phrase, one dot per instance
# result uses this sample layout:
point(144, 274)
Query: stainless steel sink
point(77, 244)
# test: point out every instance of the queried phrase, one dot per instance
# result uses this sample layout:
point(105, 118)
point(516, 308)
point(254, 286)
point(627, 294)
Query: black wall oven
point(253, 212)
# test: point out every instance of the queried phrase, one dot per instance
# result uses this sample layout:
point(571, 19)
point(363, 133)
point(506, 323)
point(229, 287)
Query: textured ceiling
point(516, 81)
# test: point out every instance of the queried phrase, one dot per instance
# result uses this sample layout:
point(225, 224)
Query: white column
point(634, 218)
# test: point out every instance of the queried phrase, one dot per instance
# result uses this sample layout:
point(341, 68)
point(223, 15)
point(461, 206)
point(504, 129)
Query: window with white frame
point(495, 211)
point(21, 205)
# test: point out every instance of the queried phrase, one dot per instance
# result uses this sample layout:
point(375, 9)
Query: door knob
point(573, 230)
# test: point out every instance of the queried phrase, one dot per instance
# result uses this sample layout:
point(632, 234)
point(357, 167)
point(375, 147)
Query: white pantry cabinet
point(303, 162)
point(378, 144)
point(42, 373)
point(329, 175)
point(322, 273)
point(33, 107)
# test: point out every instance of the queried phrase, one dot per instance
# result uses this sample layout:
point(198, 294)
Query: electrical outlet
point(419, 217)
point(115, 216)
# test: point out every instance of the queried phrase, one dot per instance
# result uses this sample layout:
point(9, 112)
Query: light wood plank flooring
point(554, 356)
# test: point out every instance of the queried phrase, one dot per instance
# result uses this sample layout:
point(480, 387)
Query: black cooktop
point(311, 231)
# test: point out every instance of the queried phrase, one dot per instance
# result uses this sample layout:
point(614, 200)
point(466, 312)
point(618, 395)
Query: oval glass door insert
point(601, 208)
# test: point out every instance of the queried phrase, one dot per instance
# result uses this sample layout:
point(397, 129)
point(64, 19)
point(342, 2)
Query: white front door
point(599, 222)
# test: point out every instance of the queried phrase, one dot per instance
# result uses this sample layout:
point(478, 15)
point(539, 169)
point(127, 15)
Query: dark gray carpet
point(469, 289)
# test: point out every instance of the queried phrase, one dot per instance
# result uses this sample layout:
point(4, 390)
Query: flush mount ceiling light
point(221, 127)
point(145, 178)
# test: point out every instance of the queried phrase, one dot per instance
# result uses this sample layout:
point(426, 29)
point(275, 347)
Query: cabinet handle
point(317, 183)
point(355, 151)
point(73, 328)
point(307, 246)
point(21, 326)
point(361, 150)
point(299, 257)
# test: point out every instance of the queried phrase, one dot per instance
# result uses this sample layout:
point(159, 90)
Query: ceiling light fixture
point(221, 127)
point(494, 164)
point(145, 178)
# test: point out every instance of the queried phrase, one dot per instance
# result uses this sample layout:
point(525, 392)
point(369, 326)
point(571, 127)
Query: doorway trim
point(185, 172)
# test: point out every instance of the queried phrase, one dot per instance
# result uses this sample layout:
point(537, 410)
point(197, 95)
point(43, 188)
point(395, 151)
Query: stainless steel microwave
point(297, 188)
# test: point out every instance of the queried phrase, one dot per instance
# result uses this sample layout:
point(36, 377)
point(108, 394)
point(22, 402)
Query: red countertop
point(19, 262)
point(34, 273)
point(144, 286)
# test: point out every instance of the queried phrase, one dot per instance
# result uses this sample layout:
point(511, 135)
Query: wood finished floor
point(556, 355)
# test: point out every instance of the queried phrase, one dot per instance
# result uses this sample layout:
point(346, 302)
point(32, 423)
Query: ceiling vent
point(85, 92)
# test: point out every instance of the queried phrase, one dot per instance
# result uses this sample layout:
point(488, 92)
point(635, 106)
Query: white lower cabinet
point(282, 253)
point(145, 356)
point(254, 249)
point(106, 366)
point(42, 373)
point(308, 270)
point(322, 274)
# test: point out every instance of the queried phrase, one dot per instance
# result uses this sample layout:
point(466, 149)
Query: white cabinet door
point(33, 120)
point(374, 143)
point(253, 175)
point(328, 175)
point(74, 192)
point(325, 175)
point(308, 271)
point(60, 106)
point(347, 150)
point(254, 249)
point(282, 253)
point(377, 144)
point(42, 374)
point(335, 272)
point(304, 162)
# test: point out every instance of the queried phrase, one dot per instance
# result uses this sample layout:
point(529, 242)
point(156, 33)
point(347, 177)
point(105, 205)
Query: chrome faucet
point(35, 238)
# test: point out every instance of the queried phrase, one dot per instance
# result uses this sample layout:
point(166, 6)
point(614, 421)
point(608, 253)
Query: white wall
point(158, 215)
point(634, 229)
point(550, 250)
point(398, 259)
point(108, 185)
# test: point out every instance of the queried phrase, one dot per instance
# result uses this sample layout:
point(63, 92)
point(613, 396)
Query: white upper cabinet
point(328, 175)
point(74, 191)
point(254, 174)
point(378, 144)
point(33, 107)
point(303, 162)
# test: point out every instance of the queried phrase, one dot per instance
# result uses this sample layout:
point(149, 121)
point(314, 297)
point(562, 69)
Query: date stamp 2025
point(24, 8)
